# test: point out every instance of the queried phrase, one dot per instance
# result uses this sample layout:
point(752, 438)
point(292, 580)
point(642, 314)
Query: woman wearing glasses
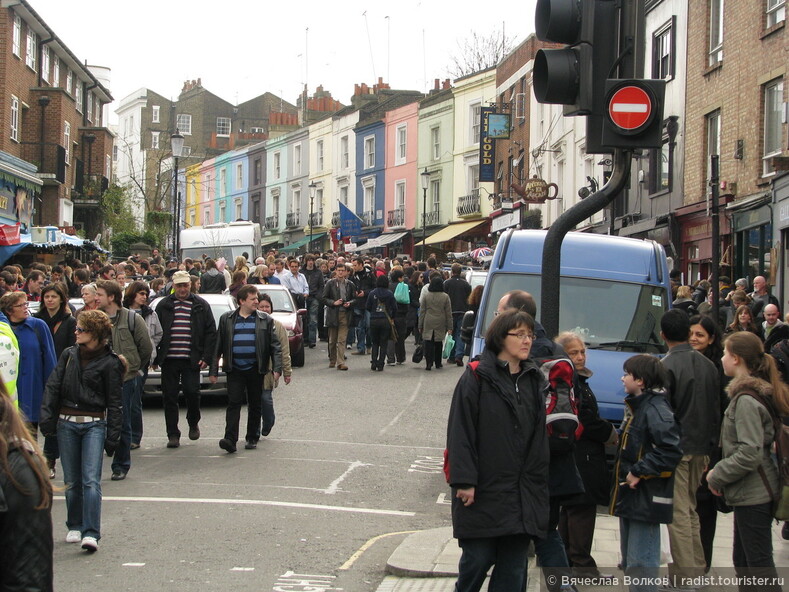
point(82, 405)
point(497, 457)
point(37, 357)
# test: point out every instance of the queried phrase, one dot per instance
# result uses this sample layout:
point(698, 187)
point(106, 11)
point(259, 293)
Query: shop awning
point(301, 242)
point(451, 232)
point(382, 240)
point(7, 252)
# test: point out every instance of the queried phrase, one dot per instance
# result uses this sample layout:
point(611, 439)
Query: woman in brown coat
point(435, 320)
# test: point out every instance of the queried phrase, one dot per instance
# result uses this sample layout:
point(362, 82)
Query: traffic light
point(575, 75)
point(634, 113)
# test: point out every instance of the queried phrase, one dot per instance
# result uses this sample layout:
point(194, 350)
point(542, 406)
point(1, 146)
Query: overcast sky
point(243, 48)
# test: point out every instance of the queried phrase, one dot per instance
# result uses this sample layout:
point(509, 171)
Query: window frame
point(709, 118)
point(775, 12)
point(667, 30)
point(345, 160)
point(277, 165)
point(400, 194)
point(46, 62)
point(715, 46)
point(239, 175)
point(155, 140)
point(369, 152)
point(78, 95)
point(297, 164)
point(223, 182)
point(221, 121)
point(401, 144)
point(776, 126)
point(31, 48)
point(155, 114)
point(435, 141)
point(15, 118)
point(16, 42)
point(475, 115)
point(319, 154)
point(185, 120)
point(70, 81)
point(67, 141)
point(56, 72)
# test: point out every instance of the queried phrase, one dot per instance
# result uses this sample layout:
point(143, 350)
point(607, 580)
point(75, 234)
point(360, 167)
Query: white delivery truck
point(228, 240)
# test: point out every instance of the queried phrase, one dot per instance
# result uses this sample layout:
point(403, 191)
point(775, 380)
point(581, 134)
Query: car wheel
point(297, 359)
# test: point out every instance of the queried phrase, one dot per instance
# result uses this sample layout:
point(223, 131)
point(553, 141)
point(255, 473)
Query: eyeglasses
point(22, 305)
point(81, 330)
point(522, 335)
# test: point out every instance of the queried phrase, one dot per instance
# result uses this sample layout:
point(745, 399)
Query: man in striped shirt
point(246, 343)
point(187, 346)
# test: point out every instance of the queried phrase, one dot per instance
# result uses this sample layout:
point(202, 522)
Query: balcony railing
point(432, 218)
point(468, 205)
point(368, 218)
point(335, 219)
point(395, 218)
point(316, 218)
point(292, 219)
point(272, 222)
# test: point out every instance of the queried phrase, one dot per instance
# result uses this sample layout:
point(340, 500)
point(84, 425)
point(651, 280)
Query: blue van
point(614, 290)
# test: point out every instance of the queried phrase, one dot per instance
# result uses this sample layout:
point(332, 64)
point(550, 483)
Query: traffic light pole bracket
point(552, 248)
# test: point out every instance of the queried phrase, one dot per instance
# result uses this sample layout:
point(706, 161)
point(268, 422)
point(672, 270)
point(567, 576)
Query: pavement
point(427, 561)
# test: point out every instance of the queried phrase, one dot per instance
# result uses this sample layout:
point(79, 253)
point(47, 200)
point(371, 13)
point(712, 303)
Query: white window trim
point(56, 72)
point(345, 158)
point(178, 119)
point(776, 12)
point(31, 47)
point(475, 127)
point(222, 182)
point(16, 44)
point(229, 127)
point(277, 165)
point(67, 141)
point(70, 82)
point(401, 148)
point(45, 63)
point(297, 160)
point(367, 154)
point(319, 154)
point(78, 95)
point(398, 184)
point(767, 169)
point(155, 141)
point(155, 114)
point(14, 118)
point(435, 142)
point(239, 175)
point(716, 45)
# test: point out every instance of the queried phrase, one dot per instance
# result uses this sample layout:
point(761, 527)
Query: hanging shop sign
point(487, 148)
point(536, 190)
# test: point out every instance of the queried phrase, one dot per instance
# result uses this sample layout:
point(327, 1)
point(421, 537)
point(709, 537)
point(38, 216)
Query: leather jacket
point(267, 345)
point(203, 329)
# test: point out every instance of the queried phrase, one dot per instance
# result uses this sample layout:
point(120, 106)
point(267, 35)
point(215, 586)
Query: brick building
point(55, 148)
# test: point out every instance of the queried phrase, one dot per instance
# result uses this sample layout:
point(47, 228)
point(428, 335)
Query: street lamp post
point(313, 186)
point(425, 181)
point(177, 145)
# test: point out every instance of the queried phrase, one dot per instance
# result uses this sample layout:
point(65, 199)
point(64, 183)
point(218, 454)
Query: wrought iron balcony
point(368, 218)
point(272, 222)
point(468, 205)
point(335, 219)
point(292, 219)
point(432, 218)
point(316, 218)
point(395, 218)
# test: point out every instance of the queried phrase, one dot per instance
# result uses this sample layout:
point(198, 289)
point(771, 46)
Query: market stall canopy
point(450, 232)
point(381, 241)
point(301, 242)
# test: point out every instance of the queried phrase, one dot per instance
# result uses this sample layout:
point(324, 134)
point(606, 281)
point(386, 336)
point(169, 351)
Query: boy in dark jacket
point(648, 453)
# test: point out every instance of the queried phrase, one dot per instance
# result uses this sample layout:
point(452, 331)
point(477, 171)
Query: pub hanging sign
point(536, 190)
point(487, 148)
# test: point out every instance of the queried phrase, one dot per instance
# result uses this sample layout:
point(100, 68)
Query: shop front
point(781, 225)
point(752, 230)
point(695, 243)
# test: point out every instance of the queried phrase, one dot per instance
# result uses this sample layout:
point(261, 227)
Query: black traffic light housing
point(647, 135)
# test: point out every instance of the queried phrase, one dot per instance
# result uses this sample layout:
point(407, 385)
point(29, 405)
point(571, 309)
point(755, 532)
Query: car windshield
point(609, 315)
point(280, 299)
point(218, 309)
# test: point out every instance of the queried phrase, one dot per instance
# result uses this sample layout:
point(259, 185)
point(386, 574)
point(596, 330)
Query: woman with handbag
point(395, 351)
point(747, 476)
point(435, 320)
point(383, 307)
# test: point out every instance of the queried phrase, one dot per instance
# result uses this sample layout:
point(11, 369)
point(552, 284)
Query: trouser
point(752, 552)
point(432, 351)
point(51, 452)
point(379, 335)
point(122, 459)
point(460, 347)
point(507, 555)
point(337, 337)
point(550, 551)
point(395, 350)
point(136, 410)
point(640, 546)
point(179, 372)
point(81, 455)
point(687, 553)
point(707, 511)
point(576, 527)
point(243, 386)
point(267, 411)
point(313, 304)
point(362, 333)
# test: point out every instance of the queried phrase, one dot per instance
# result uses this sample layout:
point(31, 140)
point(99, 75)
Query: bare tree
point(479, 52)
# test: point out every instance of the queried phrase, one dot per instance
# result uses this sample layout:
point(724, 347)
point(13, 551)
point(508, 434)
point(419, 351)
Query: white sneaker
point(90, 544)
point(73, 536)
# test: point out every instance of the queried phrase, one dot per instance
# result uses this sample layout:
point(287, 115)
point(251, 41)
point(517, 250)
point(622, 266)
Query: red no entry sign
point(630, 108)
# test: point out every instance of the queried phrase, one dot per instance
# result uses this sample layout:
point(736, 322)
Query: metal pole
point(424, 221)
point(552, 248)
point(716, 231)
point(312, 200)
point(175, 209)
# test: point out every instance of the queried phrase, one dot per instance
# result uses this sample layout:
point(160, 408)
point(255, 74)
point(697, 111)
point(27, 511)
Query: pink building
point(402, 176)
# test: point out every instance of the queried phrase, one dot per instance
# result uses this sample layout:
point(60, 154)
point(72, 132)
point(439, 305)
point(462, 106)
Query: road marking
point(334, 486)
point(427, 464)
point(445, 499)
point(297, 441)
point(243, 569)
point(248, 502)
point(305, 582)
point(352, 559)
point(133, 565)
point(397, 417)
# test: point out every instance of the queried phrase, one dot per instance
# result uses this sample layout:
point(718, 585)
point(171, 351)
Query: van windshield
point(216, 251)
point(609, 315)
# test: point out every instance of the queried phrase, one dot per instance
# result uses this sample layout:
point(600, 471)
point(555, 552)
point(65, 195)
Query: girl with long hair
point(747, 476)
point(744, 321)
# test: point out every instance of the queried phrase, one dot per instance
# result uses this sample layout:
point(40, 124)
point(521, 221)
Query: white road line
point(397, 417)
point(243, 569)
point(248, 502)
point(297, 441)
point(334, 486)
point(133, 565)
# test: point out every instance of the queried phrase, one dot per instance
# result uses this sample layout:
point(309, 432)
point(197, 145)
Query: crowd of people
point(698, 423)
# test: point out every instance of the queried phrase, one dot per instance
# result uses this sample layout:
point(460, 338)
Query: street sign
point(630, 108)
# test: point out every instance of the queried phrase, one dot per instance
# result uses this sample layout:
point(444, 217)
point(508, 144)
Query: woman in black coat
point(382, 307)
point(395, 350)
point(497, 457)
point(578, 513)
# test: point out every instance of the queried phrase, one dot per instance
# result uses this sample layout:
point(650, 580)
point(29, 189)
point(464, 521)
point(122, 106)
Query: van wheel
point(297, 359)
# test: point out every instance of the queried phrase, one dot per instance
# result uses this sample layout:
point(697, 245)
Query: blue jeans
point(640, 546)
point(460, 347)
point(122, 459)
point(267, 411)
point(81, 450)
point(506, 553)
point(362, 329)
point(313, 304)
point(553, 558)
point(136, 410)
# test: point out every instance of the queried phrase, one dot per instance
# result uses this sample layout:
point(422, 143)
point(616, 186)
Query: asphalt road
point(352, 465)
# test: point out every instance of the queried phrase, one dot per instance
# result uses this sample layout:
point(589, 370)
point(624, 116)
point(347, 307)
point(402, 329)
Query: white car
point(220, 304)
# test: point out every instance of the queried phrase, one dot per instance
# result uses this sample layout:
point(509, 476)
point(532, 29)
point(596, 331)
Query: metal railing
point(469, 205)
point(368, 218)
point(335, 219)
point(292, 219)
point(272, 222)
point(432, 218)
point(316, 218)
point(396, 218)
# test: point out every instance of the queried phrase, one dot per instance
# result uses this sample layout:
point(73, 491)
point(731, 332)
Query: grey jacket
point(746, 438)
point(134, 345)
point(435, 315)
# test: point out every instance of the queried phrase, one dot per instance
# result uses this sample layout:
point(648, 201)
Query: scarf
point(52, 321)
